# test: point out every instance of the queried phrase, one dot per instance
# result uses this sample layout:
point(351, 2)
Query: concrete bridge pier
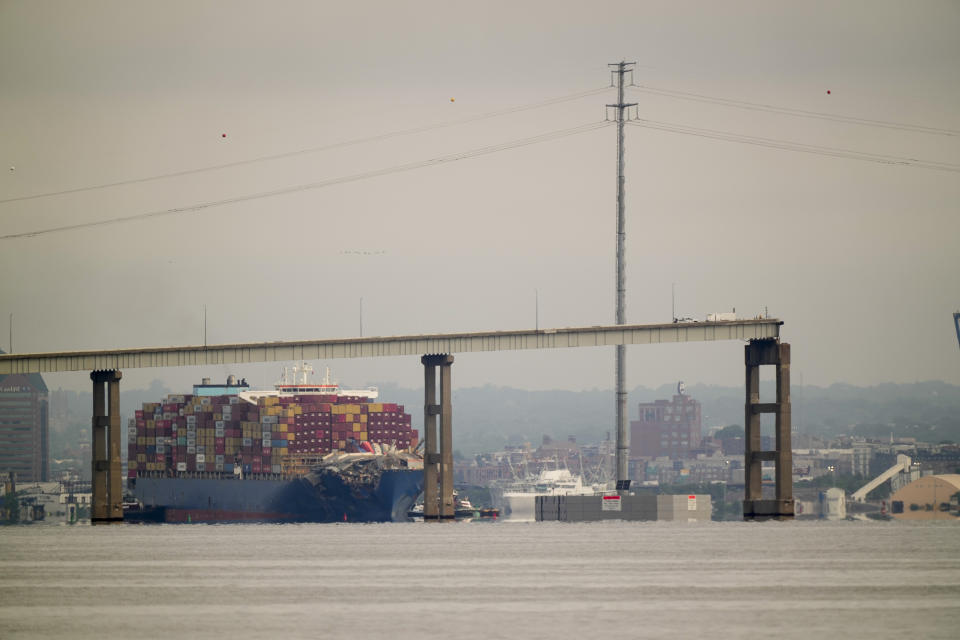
point(107, 503)
point(438, 447)
point(755, 507)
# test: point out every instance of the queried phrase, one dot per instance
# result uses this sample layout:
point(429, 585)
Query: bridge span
point(373, 347)
point(436, 350)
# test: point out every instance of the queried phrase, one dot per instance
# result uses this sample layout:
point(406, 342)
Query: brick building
point(669, 428)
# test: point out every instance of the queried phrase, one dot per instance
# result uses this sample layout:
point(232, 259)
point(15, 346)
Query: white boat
point(517, 500)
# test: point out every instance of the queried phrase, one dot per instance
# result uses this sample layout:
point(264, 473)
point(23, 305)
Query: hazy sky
point(860, 259)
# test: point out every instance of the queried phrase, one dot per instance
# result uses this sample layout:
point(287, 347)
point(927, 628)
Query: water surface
point(477, 580)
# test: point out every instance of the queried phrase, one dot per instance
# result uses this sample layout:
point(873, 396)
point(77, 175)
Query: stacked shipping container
point(214, 433)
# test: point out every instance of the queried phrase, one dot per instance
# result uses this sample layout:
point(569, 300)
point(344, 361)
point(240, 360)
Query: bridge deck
point(182, 356)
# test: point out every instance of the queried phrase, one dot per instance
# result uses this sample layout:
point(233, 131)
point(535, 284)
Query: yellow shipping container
point(363, 435)
point(363, 417)
point(217, 415)
point(357, 427)
point(283, 427)
point(297, 410)
point(132, 465)
point(375, 407)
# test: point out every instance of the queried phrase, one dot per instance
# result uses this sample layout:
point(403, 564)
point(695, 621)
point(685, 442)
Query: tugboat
point(463, 509)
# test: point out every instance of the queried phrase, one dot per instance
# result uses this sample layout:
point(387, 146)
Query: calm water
point(473, 580)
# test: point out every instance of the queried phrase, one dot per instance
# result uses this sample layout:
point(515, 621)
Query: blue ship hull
point(325, 497)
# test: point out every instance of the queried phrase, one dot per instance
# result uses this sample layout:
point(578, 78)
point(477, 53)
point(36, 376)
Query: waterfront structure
point(670, 428)
point(24, 428)
point(929, 498)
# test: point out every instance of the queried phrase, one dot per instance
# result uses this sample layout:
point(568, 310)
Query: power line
point(795, 146)
point(335, 145)
point(472, 153)
point(803, 113)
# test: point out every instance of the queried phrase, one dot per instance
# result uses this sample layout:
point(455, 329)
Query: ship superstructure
point(516, 500)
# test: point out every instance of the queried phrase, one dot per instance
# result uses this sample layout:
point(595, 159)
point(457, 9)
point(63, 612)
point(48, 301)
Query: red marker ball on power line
point(828, 91)
point(223, 135)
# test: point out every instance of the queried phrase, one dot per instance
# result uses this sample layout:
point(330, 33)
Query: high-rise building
point(666, 427)
point(59, 410)
point(24, 430)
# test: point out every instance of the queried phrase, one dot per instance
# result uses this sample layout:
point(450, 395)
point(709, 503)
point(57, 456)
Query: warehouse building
point(929, 498)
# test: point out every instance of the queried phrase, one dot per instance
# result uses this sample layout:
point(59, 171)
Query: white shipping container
point(181, 466)
point(721, 317)
point(201, 457)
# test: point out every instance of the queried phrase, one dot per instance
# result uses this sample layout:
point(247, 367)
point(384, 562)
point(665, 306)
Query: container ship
point(300, 452)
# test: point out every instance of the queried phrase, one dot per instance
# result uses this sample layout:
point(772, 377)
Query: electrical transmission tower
point(620, 69)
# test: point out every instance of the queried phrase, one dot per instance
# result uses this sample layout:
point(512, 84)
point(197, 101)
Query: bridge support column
point(438, 447)
point(107, 503)
point(755, 507)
